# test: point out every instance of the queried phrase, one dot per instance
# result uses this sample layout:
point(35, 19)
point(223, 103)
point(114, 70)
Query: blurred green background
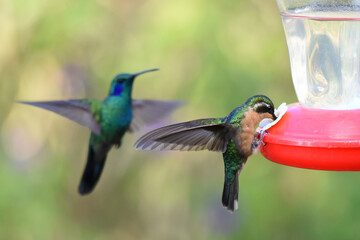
point(213, 55)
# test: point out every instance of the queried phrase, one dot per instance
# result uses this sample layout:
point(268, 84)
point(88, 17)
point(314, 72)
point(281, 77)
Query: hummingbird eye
point(119, 81)
point(263, 108)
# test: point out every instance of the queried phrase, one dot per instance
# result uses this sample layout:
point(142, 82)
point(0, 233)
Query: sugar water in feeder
point(322, 131)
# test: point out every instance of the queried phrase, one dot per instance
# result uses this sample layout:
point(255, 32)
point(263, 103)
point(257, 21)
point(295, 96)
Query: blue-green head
point(261, 105)
point(122, 83)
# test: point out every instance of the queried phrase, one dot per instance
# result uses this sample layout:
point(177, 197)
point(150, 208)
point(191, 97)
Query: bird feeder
point(322, 131)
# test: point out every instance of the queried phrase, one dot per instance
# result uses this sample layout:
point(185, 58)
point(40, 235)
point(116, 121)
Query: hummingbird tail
point(92, 172)
point(230, 194)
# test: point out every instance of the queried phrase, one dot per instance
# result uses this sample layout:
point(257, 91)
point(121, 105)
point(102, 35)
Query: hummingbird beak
point(145, 71)
point(274, 116)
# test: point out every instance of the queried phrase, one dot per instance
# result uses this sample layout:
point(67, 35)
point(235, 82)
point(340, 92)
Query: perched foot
point(258, 139)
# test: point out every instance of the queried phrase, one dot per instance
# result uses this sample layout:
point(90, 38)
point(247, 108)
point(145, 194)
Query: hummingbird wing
point(85, 112)
point(211, 134)
point(151, 111)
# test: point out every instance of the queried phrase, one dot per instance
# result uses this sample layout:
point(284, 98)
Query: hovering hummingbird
point(233, 135)
point(108, 120)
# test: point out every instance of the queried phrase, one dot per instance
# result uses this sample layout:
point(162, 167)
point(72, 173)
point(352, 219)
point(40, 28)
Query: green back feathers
point(95, 107)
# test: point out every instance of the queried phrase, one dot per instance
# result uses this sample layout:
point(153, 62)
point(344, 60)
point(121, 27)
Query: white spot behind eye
point(261, 104)
point(267, 123)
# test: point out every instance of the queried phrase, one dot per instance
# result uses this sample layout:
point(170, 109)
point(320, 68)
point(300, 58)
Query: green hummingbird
point(108, 121)
point(233, 135)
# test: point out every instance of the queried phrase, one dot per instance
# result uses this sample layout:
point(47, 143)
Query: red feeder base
point(315, 139)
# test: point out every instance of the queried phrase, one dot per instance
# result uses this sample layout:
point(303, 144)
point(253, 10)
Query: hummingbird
point(233, 135)
point(109, 120)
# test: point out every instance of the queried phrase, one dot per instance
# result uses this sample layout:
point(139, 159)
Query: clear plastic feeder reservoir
point(323, 130)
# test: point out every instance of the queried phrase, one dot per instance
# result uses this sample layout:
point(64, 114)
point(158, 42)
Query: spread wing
point(151, 111)
point(210, 134)
point(84, 112)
